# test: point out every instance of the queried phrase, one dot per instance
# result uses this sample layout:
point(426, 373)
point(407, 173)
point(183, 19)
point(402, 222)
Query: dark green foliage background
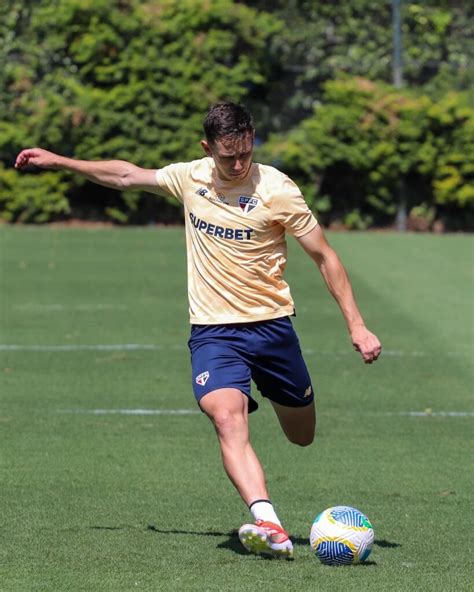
point(132, 79)
point(366, 142)
point(118, 79)
point(322, 39)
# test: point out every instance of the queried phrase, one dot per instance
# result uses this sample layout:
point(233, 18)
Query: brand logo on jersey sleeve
point(218, 198)
point(247, 203)
point(202, 378)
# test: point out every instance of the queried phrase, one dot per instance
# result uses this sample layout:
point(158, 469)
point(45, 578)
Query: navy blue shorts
point(268, 352)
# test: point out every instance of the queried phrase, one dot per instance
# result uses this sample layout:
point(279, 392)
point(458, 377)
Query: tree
point(366, 138)
point(322, 39)
point(121, 79)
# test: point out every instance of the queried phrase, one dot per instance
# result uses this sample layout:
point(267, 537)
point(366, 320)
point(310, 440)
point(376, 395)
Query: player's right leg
point(221, 384)
point(266, 538)
point(227, 408)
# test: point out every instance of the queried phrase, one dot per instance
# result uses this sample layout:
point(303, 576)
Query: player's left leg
point(297, 423)
point(281, 375)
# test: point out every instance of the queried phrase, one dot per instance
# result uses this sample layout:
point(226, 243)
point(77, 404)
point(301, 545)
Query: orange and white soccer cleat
point(266, 538)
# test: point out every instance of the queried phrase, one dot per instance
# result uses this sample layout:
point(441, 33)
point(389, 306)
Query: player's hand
point(37, 156)
point(366, 343)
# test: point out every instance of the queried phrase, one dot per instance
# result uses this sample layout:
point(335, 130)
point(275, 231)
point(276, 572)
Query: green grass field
point(113, 502)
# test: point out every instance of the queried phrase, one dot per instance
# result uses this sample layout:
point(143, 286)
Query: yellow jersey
point(235, 239)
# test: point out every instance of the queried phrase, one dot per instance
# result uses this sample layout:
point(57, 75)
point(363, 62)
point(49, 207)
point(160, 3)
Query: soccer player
point(236, 214)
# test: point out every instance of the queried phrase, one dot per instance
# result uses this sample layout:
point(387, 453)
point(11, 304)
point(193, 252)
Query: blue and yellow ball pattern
point(342, 535)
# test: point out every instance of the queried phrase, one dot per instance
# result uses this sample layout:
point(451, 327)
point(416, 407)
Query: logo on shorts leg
point(308, 391)
point(202, 378)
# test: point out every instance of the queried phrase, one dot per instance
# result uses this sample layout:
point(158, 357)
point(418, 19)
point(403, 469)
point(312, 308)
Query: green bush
point(132, 79)
point(32, 198)
point(367, 146)
point(322, 39)
point(122, 79)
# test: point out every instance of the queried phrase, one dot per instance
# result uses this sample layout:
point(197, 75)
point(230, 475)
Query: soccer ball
point(341, 536)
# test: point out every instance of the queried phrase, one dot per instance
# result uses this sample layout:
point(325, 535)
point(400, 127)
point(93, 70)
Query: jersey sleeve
point(291, 209)
point(171, 179)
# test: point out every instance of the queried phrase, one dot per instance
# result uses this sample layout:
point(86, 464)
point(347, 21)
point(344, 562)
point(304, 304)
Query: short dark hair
point(227, 119)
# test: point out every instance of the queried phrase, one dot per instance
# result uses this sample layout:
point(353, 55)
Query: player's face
point(232, 155)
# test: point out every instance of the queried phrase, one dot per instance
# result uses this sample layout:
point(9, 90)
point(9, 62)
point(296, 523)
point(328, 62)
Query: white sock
point(263, 510)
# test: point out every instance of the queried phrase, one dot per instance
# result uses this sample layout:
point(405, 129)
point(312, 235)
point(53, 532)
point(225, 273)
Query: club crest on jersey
point(202, 378)
point(247, 204)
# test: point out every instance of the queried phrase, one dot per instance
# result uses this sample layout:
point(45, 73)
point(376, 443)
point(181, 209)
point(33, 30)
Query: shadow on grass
point(210, 533)
point(386, 544)
point(233, 543)
point(109, 527)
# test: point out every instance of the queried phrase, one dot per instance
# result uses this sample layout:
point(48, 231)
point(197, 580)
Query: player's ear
point(206, 147)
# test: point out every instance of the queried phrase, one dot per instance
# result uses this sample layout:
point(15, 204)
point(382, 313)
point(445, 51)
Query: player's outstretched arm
point(337, 281)
point(117, 174)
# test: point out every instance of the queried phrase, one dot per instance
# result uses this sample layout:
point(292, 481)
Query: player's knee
point(226, 421)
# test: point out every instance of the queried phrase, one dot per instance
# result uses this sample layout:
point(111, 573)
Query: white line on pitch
point(133, 411)
point(40, 308)
point(160, 347)
point(84, 347)
point(429, 413)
